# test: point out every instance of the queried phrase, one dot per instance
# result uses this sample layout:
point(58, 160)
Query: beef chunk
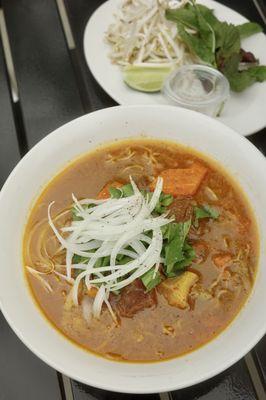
point(134, 299)
point(181, 209)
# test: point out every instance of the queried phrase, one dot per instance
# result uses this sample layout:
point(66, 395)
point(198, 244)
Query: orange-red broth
point(162, 331)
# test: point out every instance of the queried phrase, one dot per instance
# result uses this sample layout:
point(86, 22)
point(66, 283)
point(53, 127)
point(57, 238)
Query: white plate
point(245, 112)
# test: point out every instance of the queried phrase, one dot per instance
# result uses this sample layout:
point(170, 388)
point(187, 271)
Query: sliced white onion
point(98, 302)
point(109, 227)
point(87, 305)
point(156, 194)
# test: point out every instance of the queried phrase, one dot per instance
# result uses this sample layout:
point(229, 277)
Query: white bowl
point(234, 152)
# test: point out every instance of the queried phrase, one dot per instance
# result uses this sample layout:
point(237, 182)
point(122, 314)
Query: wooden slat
point(233, 384)
point(46, 81)
point(79, 12)
point(22, 375)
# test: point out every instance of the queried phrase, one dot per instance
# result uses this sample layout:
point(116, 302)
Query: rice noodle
point(37, 274)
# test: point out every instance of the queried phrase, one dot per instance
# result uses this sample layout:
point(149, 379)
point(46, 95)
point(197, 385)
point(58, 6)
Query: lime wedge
point(146, 78)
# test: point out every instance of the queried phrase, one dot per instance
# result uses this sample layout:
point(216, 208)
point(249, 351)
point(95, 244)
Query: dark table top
point(53, 85)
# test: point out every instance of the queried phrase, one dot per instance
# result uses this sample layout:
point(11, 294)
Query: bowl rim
point(114, 386)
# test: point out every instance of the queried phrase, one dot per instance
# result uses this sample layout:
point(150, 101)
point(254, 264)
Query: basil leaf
point(115, 193)
point(149, 280)
point(248, 28)
point(240, 80)
point(196, 45)
point(188, 17)
point(208, 15)
point(227, 41)
point(184, 15)
point(243, 79)
point(204, 212)
point(200, 19)
point(205, 31)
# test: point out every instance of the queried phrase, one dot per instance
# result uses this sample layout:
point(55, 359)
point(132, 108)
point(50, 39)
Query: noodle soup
point(152, 257)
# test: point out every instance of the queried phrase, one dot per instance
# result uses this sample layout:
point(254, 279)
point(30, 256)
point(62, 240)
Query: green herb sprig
point(217, 43)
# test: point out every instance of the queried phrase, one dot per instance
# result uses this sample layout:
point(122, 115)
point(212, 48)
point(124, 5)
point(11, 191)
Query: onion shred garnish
point(109, 227)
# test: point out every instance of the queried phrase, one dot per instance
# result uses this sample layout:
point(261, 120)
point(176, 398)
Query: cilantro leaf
point(115, 193)
point(164, 201)
point(175, 236)
point(127, 190)
point(75, 211)
point(124, 191)
point(149, 280)
point(188, 257)
point(204, 212)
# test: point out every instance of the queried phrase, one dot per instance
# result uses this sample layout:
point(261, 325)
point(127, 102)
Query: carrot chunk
point(104, 193)
point(182, 182)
